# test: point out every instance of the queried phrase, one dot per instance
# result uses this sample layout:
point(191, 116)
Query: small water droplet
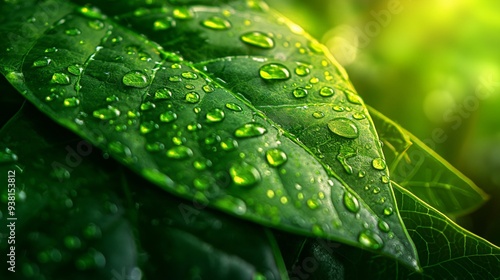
point(179, 152)
point(147, 127)
point(338, 108)
point(7, 156)
point(42, 62)
point(216, 23)
point(274, 71)
point(371, 240)
point(379, 164)
point(353, 97)
point(118, 147)
point(318, 115)
point(361, 174)
point(155, 147)
point(208, 88)
point(106, 113)
point(317, 230)
point(344, 127)
point(276, 157)
point(192, 97)
point(189, 75)
point(258, 39)
point(388, 211)
point(164, 23)
point(201, 183)
point(234, 107)
point(201, 164)
point(75, 69)
point(314, 80)
point(73, 31)
point(92, 231)
point(376, 190)
point(72, 242)
point(91, 12)
point(270, 193)
point(215, 115)
point(135, 79)
point(383, 226)
point(229, 144)
point(51, 50)
point(244, 174)
point(351, 202)
point(326, 91)
point(146, 106)
point(385, 179)
point(233, 204)
point(96, 24)
point(71, 102)
point(358, 116)
point(312, 204)
point(168, 116)
point(60, 79)
point(250, 130)
point(300, 92)
point(345, 153)
point(163, 94)
point(302, 70)
point(183, 13)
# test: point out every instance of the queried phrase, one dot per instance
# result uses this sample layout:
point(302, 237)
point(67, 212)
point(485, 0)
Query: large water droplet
point(215, 115)
point(344, 127)
point(42, 62)
point(135, 79)
point(229, 144)
point(106, 113)
point(244, 174)
point(371, 240)
point(274, 71)
point(60, 79)
point(351, 202)
point(258, 39)
point(300, 92)
point(216, 23)
point(276, 157)
point(379, 164)
point(250, 130)
point(179, 152)
point(192, 97)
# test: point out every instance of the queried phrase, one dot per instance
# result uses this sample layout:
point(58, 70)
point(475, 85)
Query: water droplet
point(345, 153)
point(163, 24)
point(92, 231)
point(385, 179)
point(155, 147)
point(312, 204)
point(250, 130)
point(338, 108)
point(388, 211)
point(234, 107)
point(7, 156)
point(201, 183)
point(258, 39)
point(351, 202)
point(318, 115)
point(270, 193)
point(91, 12)
point(361, 174)
point(179, 152)
point(326, 91)
point(233, 204)
point(208, 88)
point(379, 164)
point(163, 94)
point(376, 190)
point(300, 92)
point(71, 102)
point(175, 78)
point(344, 127)
point(302, 70)
point(353, 98)
point(276, 157)
point(216, 23)
point(51, 50)
point(168, 116)
point(189, 75)
point(383, 226)
point(371, 240)
point(358, 116)
point(201, 164)
point(274, 71)
point(244, 174)
point(118, 147)
point(146, 106)
point(315, 46)
point(60, 79)
point(96, 24)
point(183, 13)
point(106, 113)
point(75, 69)
point(139, 12)
point(314, 80)
point(229, 144)
point(317, 230)
point(72, 242)
point(73, 32)
point(135, 79)
point(42, 62)
point(192, 97)
point(147, 127)
point(215, 115)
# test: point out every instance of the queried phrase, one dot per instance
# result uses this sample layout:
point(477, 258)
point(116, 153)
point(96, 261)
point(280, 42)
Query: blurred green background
point(431, 65)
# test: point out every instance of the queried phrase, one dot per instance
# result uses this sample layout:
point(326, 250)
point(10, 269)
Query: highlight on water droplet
point(326, 91)
point(276, 157)
point(379, 163)
point(258, 39)
point(383, 226)
point(168, 117)
point(71, 102)
point(318, 115)
point(179, 152)
point(244, 174)
point(300, 92)
point(189, 75)
point(60, 79)
point(388, 211)
point(106, 113)
point(250, 130)
point(135, 79)
point(371, 240)
point(164, 23)
point(163, 94)
point(302, 70)
point(216, 23)
point(148, 105)
point(351, 202)
point(215, 115)
point(75, 69)
point(274, 71)
point(73, 31)
point(344, 127)
point(235, 205)
point(42, 62)
point(234, 107)
point(183, 13)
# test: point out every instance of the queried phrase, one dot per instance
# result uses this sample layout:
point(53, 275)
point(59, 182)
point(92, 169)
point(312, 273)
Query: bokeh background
point(428, 65)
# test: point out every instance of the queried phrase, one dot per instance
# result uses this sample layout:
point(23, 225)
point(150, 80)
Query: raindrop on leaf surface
point(250, 130)
point(244, 174)
point(60, 79)
point(216, 23)
point(274, 71)
point(379, 164)
point(258, 39)
point(179, 152)
point(276, 157)
point(344, 127)
point(371, 240)
point(215, 115)
point(135, 79)
point(351, 202)
point(299, 92)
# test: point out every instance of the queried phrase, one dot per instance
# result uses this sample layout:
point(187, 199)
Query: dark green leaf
point(246, 145)
point(90, 220)
point(424, 173)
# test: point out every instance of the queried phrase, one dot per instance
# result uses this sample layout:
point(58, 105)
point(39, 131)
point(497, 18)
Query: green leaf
point(424, 173)
point(243, 141)
point(95, 221)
